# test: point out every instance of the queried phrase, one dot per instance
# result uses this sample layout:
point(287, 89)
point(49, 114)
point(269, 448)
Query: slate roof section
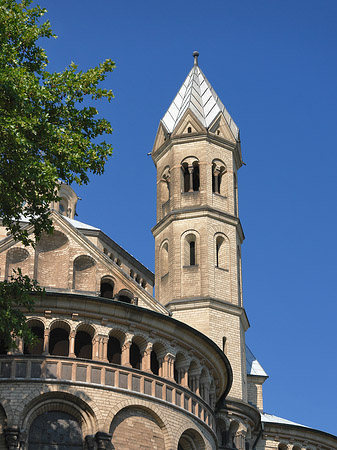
point(80, 225)
point(197, 94)
point(270, 418)
point(253, 365)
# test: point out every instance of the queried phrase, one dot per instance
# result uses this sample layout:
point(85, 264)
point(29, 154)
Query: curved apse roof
point(197, 94)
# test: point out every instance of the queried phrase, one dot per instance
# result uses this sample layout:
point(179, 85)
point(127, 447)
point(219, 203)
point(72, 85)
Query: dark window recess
point(154, 363)
point(107, 290)
point(55, 430)
point(3, 348)
point(196, 178)
point(186, 175)
point(218, 245)
point(59, 342)
point(135, 357)
point(37, 348)
point(124, 298)
point(83, 345)
point(192, 253)
point(175, 373)
point(114, 350)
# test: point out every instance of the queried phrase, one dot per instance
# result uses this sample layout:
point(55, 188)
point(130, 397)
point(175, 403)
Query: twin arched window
point(190, 175)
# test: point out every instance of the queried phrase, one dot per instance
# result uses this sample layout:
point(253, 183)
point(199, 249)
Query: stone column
point(125, 356)
point(196, 384)
point(190, 170)
point(105, 341)
point(95, 348)
point(146, 358)
point(183, 376)
point(239, 440)
point(216, 180)
point(72, 344)
point(168, 366)
point(46, 342)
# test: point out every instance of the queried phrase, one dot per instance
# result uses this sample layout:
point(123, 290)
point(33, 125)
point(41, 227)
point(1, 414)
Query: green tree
point(16, 294)
point(45, 133)
point(49, 131)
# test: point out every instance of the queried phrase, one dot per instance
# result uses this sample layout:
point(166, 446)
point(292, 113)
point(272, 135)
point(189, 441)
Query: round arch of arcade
point(86, 413)
point(190, 437)
point(147, 407)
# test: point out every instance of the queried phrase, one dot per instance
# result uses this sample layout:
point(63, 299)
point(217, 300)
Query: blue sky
point(273, 64)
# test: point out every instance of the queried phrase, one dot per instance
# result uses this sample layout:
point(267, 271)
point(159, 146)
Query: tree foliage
point(15, 294)
point(47, 133)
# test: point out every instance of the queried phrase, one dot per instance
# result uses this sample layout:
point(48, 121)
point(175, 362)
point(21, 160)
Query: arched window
point(55, 429)
point(191, 440)
point(83, 345)
point(218, 172)
point(154, 363)
point(37, 329)
point(164, 261)
point(196, 176)
point(190, 250)
point(165, 185)
point(114, 350)
point(220, 252)
point(125, 296)
point(59, 340)
point(190, 175)
point(16, 258)
point(84, 273)
point(107, 288)
point(192, 253)
point(135, 356)
point(186, 177)
point(193, 375)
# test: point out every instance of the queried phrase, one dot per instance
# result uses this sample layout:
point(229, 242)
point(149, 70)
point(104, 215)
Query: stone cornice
point(91, 307)
point(126, 255)
point(259, 379)
point(198, 212)
point(285, 432)
point(197, 137)
point(97, 254)
point(234, 407)
point(209, 302)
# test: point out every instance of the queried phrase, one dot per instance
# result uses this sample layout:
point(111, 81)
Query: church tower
point(198, 234)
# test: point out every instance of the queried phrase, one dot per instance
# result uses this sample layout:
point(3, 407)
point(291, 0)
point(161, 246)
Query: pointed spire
point(197, 95)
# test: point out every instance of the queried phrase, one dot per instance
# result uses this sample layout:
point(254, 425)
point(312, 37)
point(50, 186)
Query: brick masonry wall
point(126, 414)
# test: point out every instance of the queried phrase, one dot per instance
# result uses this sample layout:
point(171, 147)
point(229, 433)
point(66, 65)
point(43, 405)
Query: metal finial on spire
point(195, 55)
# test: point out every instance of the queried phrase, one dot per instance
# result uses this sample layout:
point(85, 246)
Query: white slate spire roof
point(197, 94)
